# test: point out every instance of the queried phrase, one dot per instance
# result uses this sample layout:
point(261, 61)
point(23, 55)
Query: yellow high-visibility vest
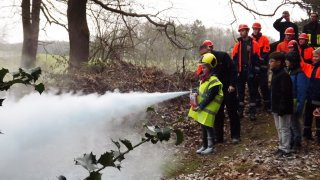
point(207, 115)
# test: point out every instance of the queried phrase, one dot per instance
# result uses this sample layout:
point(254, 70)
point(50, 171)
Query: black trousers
point(262, 84)
point(230, 101)
point(244, 78)
point(308, 118)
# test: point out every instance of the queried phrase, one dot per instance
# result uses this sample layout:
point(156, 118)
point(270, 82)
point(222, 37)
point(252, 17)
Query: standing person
point(209, 99)
point(246, 57)
point(312, 29)
point(282, 26)
point(312, 71)
point(226, 73)
point(306, 49)
point(289, 35)
point(263, 42)
point(299, 88)
point(282, 101)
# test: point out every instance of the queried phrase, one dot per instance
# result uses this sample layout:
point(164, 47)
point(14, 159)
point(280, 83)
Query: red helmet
point(290, 30)
point(243, 26)
point(256, 25)
point(304, 36)
point(207, 42)
point(292, 43)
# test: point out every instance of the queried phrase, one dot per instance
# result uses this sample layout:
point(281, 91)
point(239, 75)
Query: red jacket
point(312, 71)
point(283, 46)
point(307, 54)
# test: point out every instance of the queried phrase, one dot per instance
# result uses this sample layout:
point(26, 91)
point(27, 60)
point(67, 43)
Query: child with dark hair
point(281, 101)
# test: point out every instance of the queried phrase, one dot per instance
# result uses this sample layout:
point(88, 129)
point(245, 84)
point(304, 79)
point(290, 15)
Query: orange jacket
point(307, 54)
point(263, 42)
point(283, 46)
point(254, 56)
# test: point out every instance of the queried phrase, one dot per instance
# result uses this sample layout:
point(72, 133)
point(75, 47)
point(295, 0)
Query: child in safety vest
point(209, 98)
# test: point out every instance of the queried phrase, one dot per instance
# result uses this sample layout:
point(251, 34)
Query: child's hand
point(195, 108)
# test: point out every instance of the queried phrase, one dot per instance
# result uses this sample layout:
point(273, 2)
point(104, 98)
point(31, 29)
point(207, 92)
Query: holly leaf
point(164, 134)
point(179, 135)
point(35, 73)
point(94, 176)
point(39, 87)
point(116, 143)
point(88, 161)
point(1, 101)
point(127, 143)
point(106, 159)
point(3, 73)
point(150, 109)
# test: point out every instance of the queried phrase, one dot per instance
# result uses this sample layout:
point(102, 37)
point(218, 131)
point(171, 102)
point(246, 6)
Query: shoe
point(235, 141)
point(201, 149)
point(208, 151)
point(277, 152)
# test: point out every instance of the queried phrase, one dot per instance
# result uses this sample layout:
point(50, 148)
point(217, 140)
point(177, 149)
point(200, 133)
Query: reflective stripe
point(241, 103)
point(209, 111)
point(252, 104)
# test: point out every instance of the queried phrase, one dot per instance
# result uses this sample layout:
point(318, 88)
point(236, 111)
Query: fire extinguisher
point(193, 100)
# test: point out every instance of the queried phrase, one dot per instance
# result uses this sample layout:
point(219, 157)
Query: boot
point(210, 148)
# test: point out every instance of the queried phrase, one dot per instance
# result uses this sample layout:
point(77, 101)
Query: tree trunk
point(78, 33)
point(30, 24)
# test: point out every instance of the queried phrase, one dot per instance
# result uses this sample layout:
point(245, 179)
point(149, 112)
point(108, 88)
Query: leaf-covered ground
point(252, 158)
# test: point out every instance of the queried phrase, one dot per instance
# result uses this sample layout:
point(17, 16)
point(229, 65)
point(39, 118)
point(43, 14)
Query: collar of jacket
point(278, 70)
point(258, 36)
point(240, 39)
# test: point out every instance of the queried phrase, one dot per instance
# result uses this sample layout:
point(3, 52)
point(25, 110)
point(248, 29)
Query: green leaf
point(39, 87)
point(116, 143)
point(127, 143)
point(3, 73)
point(164, 134)
point(1, 101)
point(150, 109)
point(106, 159)
point(94, 176)
point(88, 161)
point(180, 137)
point(35, 73)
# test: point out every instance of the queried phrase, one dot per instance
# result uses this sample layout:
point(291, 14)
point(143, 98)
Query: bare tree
point(79, 34)
point(30, 23)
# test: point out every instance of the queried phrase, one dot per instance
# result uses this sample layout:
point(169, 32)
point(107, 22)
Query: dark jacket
point(253, 60)
point(282, 26)
point(225, 69)
point(313, 30)
point(281, 93)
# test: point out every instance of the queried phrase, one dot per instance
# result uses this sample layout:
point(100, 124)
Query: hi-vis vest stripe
point(318, 39)
point(207, 115)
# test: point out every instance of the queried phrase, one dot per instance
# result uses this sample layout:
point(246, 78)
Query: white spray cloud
point(44, 133)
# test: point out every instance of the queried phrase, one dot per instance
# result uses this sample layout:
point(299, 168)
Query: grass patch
point(181, 166)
